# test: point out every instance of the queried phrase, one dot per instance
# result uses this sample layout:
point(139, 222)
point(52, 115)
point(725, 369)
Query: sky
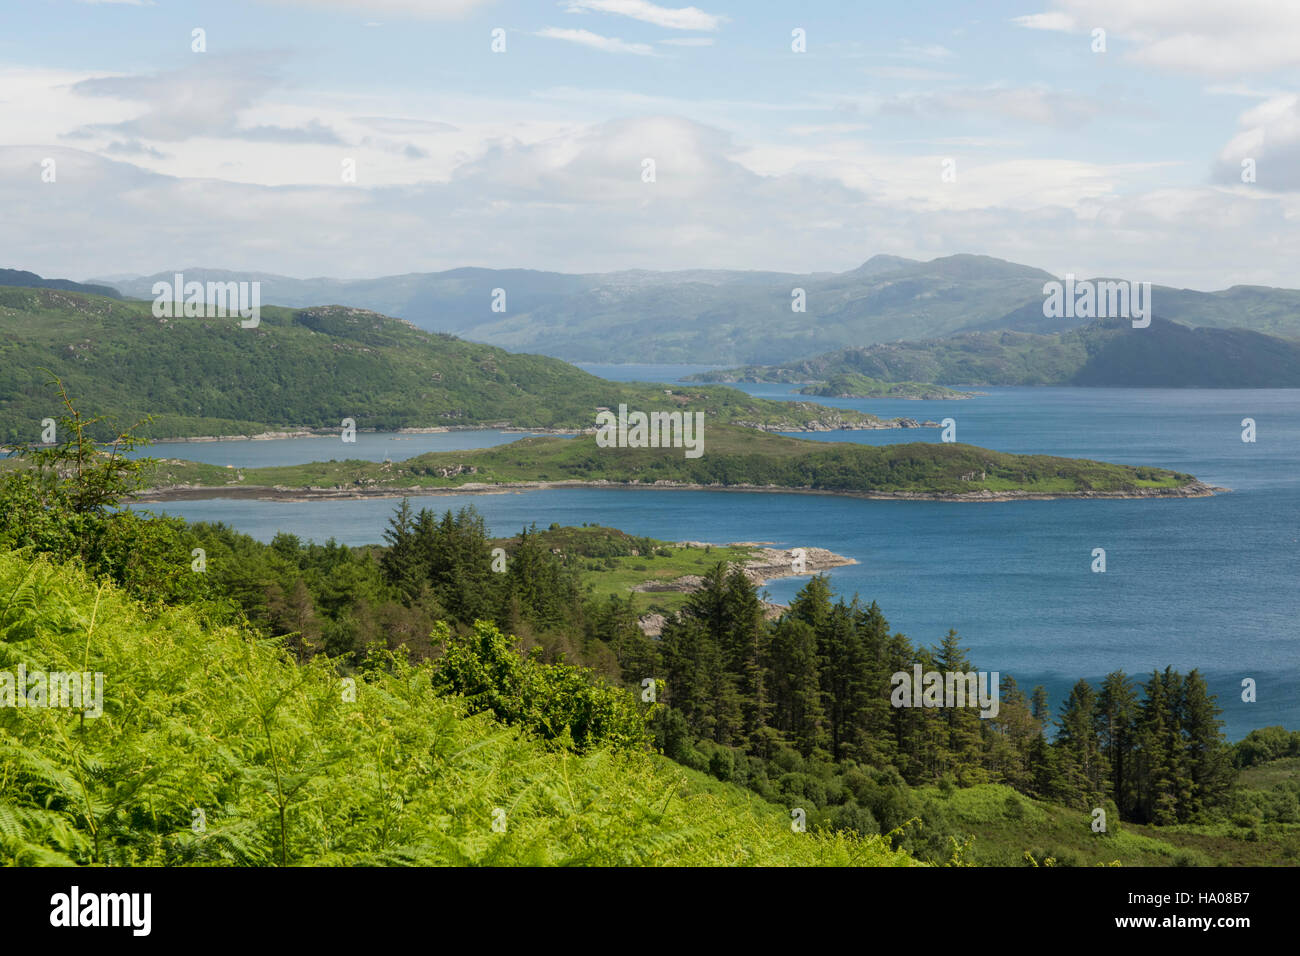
point(360, 138)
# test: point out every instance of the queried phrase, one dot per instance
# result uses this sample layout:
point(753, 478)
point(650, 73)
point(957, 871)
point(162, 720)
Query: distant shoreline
point(883, 424)
point(1195, 489)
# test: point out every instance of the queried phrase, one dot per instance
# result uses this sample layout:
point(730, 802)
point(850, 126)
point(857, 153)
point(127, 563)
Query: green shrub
point(559, 702)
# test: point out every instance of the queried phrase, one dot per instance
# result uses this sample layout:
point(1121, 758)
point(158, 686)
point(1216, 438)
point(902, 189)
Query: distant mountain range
point(1111, 353)
point(732, 317)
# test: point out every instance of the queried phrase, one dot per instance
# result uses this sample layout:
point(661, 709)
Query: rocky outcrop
point(763, 564)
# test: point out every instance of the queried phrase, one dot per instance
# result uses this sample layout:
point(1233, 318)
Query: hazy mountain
point(1112, 353)
point(732, 317)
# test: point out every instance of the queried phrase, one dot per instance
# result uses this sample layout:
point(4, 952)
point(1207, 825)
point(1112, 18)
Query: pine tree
point(1161, 783)
point(842, 665)
point(1012, 734)
point(1115, 715)
point(964, 734)
point(1209, 763)
point(1083, 770)
point(883, 658)
point(795, 684)
point(399, 563)
point(744, 647)
point(1038, 705)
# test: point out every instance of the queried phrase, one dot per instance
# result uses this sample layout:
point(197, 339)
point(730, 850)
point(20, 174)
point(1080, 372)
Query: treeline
point(818, 681)
point(814, 686)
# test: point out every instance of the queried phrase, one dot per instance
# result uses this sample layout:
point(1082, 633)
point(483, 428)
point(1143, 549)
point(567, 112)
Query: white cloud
point(1056, 20)
point(683, 18)
point(688, 41)
point(574, 200)
point(1200, 36)
point(206, 98)
point(911, 74)
point(1270, 135)
point(596, 41)
point(829, 129)
point(423, 9)
point(1036, 105)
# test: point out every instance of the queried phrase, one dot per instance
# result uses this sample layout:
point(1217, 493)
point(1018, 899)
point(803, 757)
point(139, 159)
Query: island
point(853, 385)
point(734, 459)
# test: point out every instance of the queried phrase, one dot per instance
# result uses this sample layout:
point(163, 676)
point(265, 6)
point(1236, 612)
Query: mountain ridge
point(1100, 354)
point(735, 317)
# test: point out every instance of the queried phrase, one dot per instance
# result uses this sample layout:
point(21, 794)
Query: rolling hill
point(30, 280)
point(1107, 354)
point(310, 368)
point(734, 317)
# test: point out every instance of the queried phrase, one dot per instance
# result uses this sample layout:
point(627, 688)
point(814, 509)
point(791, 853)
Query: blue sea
point(369, 446)
point(1207, 583)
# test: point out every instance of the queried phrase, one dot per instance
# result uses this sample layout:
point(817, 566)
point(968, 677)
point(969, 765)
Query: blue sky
point(1124, 162)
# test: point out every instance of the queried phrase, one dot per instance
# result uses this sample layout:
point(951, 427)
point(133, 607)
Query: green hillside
point(30, 280)
point(308, 368)
point(853, 385)
point(214, 747)
point(1164, 355)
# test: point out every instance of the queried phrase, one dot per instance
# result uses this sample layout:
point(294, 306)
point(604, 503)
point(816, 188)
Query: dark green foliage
point(825, 680)
point(1265, 744)
point(555, 701)
point(66, 504)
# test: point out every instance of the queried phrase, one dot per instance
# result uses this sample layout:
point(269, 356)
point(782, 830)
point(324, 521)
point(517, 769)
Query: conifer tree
point(962, 723)
point(1209, 765)
point(796, 684)
point(1115, 716)
point(1083, 771)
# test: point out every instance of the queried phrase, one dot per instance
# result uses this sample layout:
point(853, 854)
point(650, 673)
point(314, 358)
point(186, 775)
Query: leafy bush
point(556, 701)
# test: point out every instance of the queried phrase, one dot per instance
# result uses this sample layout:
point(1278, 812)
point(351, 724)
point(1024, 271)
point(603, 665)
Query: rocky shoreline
point(764, 564)
point(515, 429)
point(1194, 489)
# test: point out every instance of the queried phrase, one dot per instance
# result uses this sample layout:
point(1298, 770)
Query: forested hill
point(1114, 354)
point(309, 368)
point(30, 280)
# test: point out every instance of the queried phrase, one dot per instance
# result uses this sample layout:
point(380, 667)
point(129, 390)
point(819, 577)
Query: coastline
point(878, 425)
point(1194, 489)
